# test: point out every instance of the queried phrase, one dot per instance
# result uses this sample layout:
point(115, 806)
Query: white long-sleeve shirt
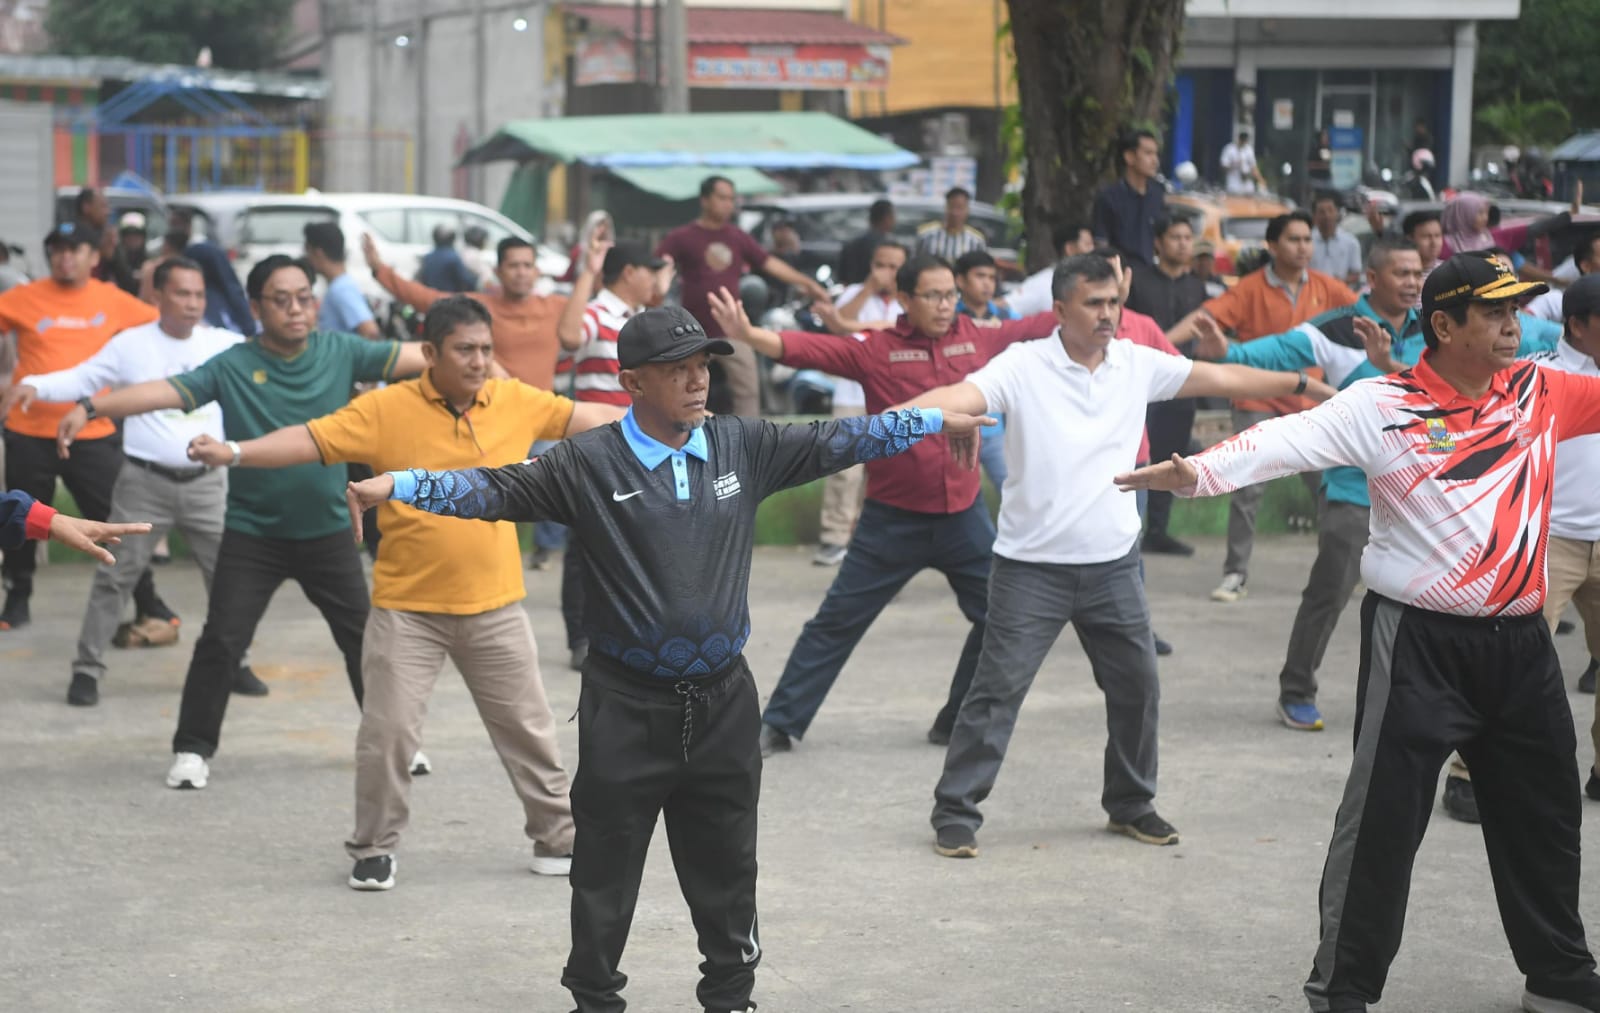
point(1575, 506)
point(137, 355)
point(1461, 489)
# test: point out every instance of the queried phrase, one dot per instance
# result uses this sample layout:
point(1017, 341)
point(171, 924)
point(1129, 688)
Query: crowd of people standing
point(265, 433)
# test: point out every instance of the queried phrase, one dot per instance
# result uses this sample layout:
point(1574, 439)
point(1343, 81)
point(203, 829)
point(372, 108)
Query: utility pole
point(674, 37)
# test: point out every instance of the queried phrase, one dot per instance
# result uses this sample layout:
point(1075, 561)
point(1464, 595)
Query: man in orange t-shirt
point(1275, 299)
point(60, 321)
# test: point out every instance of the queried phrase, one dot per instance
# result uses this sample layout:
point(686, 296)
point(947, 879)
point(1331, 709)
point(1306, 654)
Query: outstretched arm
point(153, 395)
point(419, 296)
point(22, 517)
point(729, 314)
point(278, 449)
point(1210, 379)
point(793, 455)
point(776, 268)
point(587, 415)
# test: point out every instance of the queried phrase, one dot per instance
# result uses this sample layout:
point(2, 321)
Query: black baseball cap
point(72, 234)
point(665, 335)
point(628, 254)
point(1582, 298)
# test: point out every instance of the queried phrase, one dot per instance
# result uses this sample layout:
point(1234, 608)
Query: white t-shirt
point(1547, 306)
point(1239, 163)
point(1069, 431)
point(1033, 295)
point(137, 355)
point(848, 393)
point(1575, 503)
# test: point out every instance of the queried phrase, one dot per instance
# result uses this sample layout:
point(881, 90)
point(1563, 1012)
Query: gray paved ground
point(120, 894)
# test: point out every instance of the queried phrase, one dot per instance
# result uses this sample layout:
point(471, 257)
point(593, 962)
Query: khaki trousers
point(843, 493)
point(1573, 569)
point(743, 377)
point(401, 657)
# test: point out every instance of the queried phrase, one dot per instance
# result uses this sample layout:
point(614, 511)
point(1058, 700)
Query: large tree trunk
point(1086, 71)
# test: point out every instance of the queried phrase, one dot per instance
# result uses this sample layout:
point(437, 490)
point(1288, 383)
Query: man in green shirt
point(286, 524)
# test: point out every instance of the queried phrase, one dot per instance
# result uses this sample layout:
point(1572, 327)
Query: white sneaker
point(1231, 589)
point(547, 864)
point(420, 764)
point(189, 770)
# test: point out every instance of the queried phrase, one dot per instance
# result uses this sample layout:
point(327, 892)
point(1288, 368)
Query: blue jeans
point(890, 547)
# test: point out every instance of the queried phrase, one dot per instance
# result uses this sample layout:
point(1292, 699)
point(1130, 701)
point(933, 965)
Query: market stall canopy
point(682, 182)
point(705, 140)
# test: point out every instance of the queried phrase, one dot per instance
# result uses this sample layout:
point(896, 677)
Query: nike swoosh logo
point(618, 497)
point(755, 951)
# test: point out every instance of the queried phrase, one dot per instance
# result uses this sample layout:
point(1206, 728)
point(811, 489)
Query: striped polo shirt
point(595, 366)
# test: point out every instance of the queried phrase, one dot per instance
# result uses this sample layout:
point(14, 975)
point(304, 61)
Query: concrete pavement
point(120, 894)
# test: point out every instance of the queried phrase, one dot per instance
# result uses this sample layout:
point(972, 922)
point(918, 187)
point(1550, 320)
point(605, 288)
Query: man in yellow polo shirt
point(441, 589)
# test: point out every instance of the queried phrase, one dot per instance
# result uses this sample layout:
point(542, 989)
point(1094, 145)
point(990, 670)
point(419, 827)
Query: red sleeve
point(754, 254)
point(1143, 330)
point(1039, 325)
point(1577, 402)
point(1511, 237)
point(37, 526)
point(830, 353)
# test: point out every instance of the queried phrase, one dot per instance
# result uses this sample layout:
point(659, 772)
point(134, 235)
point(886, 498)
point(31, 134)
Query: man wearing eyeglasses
point(288, 524)
point(922, 508)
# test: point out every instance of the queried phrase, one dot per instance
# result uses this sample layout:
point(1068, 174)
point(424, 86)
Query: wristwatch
point(87, 404)
point(1305, 381)
point(233, 445)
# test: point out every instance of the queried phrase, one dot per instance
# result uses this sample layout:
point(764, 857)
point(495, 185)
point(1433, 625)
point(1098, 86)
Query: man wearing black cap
point(632, 280)
point(60, 322)
point(1459, 452)
point(664, 502)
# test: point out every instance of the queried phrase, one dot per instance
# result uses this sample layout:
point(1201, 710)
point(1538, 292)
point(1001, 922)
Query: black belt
point(174, 474)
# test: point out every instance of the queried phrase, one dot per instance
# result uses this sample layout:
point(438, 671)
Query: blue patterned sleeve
point(796, 454)
point(534, 491)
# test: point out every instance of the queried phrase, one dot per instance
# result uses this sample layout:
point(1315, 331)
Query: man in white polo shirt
point(158, 483)
point(1574, 566)
point(1068, 549)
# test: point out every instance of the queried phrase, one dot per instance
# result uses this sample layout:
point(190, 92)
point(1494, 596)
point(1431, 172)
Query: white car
point(252, 226)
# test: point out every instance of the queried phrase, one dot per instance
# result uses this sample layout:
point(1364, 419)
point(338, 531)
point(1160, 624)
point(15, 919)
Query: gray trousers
point(1244, 504)
point(1029, 605)
point(1342, 534)
point(194, 508)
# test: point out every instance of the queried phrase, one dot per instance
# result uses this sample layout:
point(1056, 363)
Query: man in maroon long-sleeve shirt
point(922, 508)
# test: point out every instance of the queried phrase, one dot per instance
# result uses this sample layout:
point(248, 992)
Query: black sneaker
point(1564, 627)
point(246, 683)
point(159, 611)
point(939, 736)
point(1147, 829)
point(84, 691)
point(1592, 788)
point(774, 741)
point(955, 842)
point(1586, 680)
point(1544, 996)
point(15, 615)
point(1163, 649)
point(1163, 544)
point(375, 873)
point(1459, 800)
point(742, 1009)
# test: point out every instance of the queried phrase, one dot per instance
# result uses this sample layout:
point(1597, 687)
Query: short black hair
point(1276, 227)
point(512, 243)
point(449, 313)
point(1083, 267)
point(1162, 225)
point(327, 239)
point(1458, 313)
point(166, 267)
point(1066, 232)
point(785, 223)
point(911, 272)
point(1325, 195)
point(1586, 248)
point(256, 283)
point(708, 185)
point(957, 191)
point(83, 198)
point(1383, 249)
point(880, 211)
point(887, 244)
point(974, 258)
point(443, 235)
point(1416, 220)
point(177, 239)
point(1130, 140)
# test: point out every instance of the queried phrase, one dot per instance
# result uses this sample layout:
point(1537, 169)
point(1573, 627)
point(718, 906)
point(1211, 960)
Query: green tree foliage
point(242, 34)
point(1546, 55)
point(1544, 123)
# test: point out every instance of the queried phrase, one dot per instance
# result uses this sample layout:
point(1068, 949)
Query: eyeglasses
point(939, 298)
point(284, 301)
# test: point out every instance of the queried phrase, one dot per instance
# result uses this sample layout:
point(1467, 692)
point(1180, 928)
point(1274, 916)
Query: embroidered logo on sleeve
point(726, 485)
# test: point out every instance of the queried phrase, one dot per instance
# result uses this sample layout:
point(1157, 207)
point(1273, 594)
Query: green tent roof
point(682, 182)
point(756, 140)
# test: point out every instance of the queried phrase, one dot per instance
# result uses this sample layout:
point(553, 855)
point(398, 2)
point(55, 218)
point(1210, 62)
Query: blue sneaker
point(1303, 717)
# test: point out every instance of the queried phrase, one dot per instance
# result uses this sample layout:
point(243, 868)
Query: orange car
point(1233, 224)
